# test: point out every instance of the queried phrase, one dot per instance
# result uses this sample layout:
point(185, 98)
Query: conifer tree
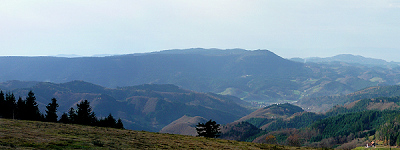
point(2, 104)
point(64, 118)
point(72, 115)
point(108, 122)
point(119, 124)
point(32, 110)
point(209, 129)
point(21, 106)
point(10, 106)
point(51, 112)
point(85, 116)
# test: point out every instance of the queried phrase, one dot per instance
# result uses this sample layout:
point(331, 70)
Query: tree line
point(28, 110)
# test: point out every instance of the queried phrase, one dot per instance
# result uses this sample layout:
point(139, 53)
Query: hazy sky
point(289, 28)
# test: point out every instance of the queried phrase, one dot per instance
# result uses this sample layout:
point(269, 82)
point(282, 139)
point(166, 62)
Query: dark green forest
point(346, 127)
point(298, 121)
point(28, 110)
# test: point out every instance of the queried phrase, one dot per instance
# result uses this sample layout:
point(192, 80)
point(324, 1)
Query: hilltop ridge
point(349, 58)
point(251, 75)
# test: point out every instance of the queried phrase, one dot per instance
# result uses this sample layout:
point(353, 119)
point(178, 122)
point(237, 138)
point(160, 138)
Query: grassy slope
point(41, 135)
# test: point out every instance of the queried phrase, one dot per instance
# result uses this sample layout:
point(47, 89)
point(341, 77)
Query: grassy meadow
point(18, 134)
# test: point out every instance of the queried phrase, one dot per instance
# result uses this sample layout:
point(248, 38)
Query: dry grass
point(16, 134)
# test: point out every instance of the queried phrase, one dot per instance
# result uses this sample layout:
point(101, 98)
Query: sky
point(289, 28)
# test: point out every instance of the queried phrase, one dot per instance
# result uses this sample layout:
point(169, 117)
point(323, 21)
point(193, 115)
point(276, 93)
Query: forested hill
point(342, 127)
point(202, 70)
point(147, 107)
point(195, 69)
point(252, 75)
point(324, 103)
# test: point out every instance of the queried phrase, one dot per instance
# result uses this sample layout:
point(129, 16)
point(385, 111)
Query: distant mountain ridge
point(203, 70)
point(349, 58)
point(251, 75)
point(202, 51)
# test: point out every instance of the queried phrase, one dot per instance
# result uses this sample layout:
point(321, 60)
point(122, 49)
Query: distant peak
point(202, 51)
point(347, 58)
point(212, 51)
point(68, 55)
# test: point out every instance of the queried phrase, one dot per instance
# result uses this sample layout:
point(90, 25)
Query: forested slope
point(324, 103)
point(147, 107)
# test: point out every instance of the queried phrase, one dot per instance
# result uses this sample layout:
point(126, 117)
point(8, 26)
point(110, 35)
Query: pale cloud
point(394, 5)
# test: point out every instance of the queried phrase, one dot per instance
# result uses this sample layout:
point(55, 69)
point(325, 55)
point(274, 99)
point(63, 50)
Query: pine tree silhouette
point(51, 112)
point(85, 116)
point(31, 109)
point(209, 129)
